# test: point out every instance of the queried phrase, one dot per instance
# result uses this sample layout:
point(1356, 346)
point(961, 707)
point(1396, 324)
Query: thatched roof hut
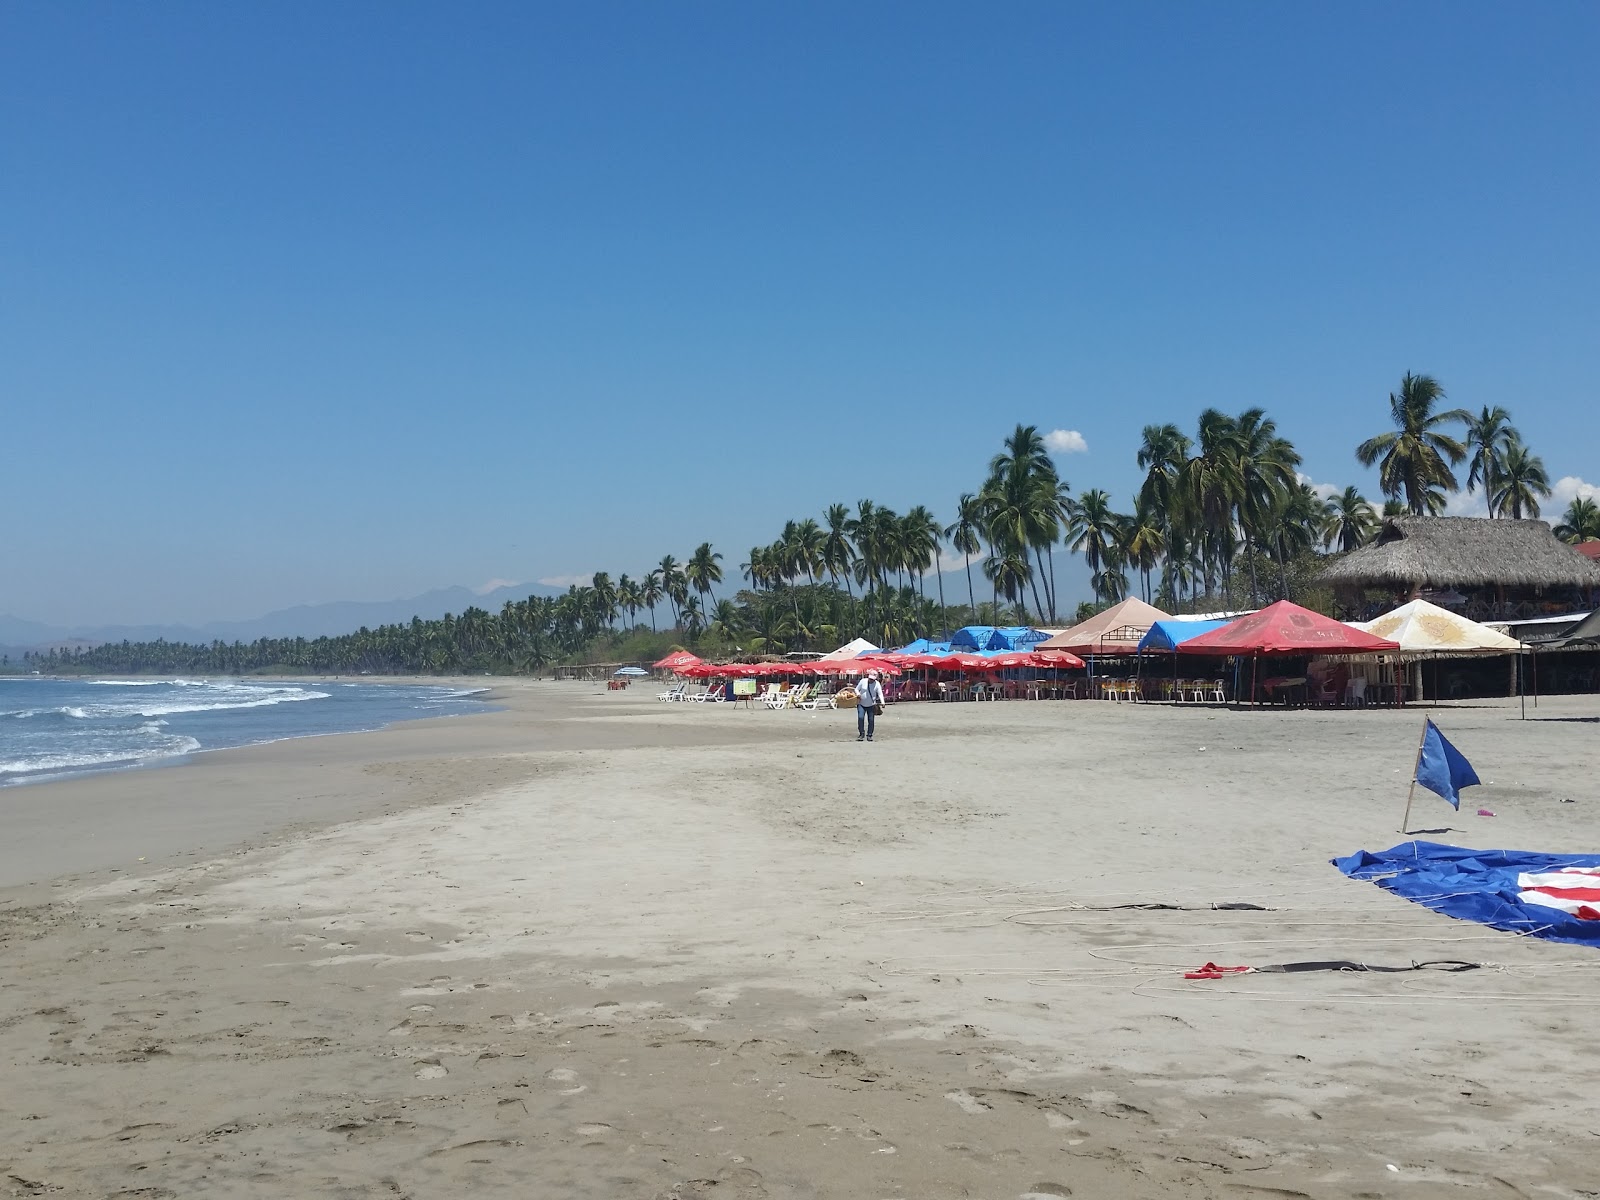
point(1463, 552)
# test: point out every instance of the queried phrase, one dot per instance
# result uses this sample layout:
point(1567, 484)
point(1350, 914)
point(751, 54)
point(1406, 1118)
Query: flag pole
point(1412, 791)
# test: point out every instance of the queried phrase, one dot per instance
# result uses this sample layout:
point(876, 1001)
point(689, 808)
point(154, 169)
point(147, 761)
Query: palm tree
point(727, 621)
point(1489, 435)
point(1024, 504)
point(693, 618)
point(1208, 493)
point(1299, 521)
point(1008, 571)
point(1415, 458)
point(603, 598)
point(1581, 521)
point(673, 584)
point(1352, 523)
point(963, 534)
point(1265, 467)
point(702, 570)
point(919, 534)
point(1144, 542)
point(1163, 449)
point(807, 540)
point(651, 594)
point(1519, 484)
point(1093, 530)
point(628, 598)
point(837, 555)
point(863, 529)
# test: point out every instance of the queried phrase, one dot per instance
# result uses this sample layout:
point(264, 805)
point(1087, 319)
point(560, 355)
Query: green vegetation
point(1222, 520)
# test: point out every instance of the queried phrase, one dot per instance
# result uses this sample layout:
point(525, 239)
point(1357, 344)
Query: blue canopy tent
point(924, 646)
point(1015, 637)
point(1164, 637)
point(972, 637)
point(1169, 635)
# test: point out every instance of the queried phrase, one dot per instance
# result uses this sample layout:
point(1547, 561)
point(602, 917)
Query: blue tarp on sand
point(1168, 635)
point(1475, 885)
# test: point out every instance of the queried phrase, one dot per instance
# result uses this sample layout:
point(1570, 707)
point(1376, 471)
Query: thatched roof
point(1463, 552)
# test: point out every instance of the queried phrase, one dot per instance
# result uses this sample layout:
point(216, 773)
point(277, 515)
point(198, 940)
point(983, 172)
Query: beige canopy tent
point(1118, 630)
point(1424, 628)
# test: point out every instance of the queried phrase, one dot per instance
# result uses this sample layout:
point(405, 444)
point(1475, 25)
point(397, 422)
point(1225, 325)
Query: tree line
point(1221, 519)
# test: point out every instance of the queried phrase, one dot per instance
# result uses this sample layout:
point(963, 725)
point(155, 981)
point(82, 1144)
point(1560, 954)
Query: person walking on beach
point(869, 703)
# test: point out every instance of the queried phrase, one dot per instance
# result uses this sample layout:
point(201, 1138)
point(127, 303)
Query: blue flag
point(1442, 768)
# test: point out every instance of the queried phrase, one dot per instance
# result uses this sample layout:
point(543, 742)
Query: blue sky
point(308, 302)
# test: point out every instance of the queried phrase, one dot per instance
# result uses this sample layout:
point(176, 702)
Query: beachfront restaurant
point(1487, 571)
point(1516, 577)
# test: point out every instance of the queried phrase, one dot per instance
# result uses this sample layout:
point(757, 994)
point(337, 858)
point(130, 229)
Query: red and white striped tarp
point(1574, 890)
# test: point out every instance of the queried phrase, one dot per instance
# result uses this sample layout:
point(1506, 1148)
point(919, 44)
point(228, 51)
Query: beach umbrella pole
point(1405, 821)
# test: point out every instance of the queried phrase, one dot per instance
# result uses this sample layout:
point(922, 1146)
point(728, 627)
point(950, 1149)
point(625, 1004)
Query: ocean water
point(51, 728)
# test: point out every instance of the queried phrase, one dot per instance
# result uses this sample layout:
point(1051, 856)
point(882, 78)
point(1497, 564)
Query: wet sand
point(600, 946)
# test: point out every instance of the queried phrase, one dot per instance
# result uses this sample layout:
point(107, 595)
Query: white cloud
point(1466, 504)
point(1326, 490)
point(1065, 441)
point(494, 585)
point(1568, 488)
point(567, 580)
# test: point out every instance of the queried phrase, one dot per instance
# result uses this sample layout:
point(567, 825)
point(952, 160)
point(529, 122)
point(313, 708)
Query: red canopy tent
point(1285, 628)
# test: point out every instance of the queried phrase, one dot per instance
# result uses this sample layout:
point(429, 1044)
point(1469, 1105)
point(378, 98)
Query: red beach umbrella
point(1053, 658)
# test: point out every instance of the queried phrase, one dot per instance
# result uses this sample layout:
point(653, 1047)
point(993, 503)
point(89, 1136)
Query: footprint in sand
point(594, 1129)
point(401, 1030)
point(967, 1102)
point(416, 935)
point(565, 1075)
point(430, 1068)
point(1046, 1191)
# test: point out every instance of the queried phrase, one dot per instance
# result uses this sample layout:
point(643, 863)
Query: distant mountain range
point(304, 620)
point(346, 616)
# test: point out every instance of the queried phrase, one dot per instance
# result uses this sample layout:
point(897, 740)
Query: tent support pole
point(1405, 821)
point(1536, 678)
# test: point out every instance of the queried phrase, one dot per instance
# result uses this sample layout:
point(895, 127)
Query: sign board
point(744, 687)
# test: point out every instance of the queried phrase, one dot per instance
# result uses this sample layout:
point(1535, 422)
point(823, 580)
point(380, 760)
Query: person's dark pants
point(866, 719)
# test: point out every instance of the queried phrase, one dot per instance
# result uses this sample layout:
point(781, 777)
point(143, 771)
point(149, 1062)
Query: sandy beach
point(594, 945)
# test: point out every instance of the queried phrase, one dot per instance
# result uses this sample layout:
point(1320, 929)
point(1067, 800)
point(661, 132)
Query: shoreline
point(69, 774)
point(166, 814)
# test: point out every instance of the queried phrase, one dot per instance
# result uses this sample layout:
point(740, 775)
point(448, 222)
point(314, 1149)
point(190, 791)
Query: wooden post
point(1412, 791)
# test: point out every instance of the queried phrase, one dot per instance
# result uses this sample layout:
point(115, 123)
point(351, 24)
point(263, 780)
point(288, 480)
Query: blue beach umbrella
point(630, 671)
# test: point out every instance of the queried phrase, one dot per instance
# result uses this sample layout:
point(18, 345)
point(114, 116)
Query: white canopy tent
point(850, 650)
point(1423, 628)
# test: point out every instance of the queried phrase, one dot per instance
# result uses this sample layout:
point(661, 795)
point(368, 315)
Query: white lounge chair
point(676, 693)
